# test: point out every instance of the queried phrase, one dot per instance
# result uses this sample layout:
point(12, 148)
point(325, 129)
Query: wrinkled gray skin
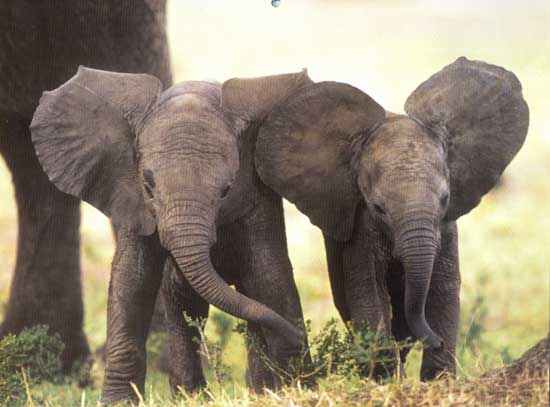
point(42, 43)
point(386, 191)
point(175, 173)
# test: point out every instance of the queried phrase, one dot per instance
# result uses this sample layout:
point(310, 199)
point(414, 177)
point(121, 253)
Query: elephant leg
point(395, 280)
point(46, 287)
point(230, 261)
point(366, 293)
point(268, 278)
point(258, 375)
point(443, 307)
point(135, 279)
point(157, 325)
point(184, 363)
point(157, 321)
point(334, 250)
point(366, 296)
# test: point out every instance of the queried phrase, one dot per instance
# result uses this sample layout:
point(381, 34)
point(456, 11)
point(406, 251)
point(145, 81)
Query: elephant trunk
point(416, 246)
point(186, 232)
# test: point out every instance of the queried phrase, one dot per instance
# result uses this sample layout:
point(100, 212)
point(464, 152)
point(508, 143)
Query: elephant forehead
point(403, 144)
point(188, 118)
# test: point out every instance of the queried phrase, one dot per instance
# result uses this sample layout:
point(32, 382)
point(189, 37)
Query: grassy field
point(386, 49)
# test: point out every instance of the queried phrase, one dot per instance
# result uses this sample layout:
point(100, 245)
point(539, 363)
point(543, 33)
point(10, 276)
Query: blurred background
point(386, 48)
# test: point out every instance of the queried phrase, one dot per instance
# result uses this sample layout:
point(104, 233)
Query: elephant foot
point(184, 376)
point(116, 396)
point(189, 385)
point(258, 376)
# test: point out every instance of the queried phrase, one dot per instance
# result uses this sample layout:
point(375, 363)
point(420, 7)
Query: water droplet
point(275, 3)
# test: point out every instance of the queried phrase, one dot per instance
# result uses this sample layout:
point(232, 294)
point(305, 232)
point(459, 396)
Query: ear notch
point(84, 135)
point(479, 110)
point(304, 153)
point(251, 99)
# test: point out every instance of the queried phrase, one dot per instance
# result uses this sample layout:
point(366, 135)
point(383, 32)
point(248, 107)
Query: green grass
point(387, 50)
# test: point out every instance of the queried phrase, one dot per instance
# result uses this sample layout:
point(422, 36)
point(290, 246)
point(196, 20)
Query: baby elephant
point(387, 189)
point(175, 173)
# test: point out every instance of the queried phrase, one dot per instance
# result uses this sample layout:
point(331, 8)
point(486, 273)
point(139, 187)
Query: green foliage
point(355, 353)
point(27, 359)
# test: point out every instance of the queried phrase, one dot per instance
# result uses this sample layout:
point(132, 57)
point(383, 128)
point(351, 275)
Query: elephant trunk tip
point(434, 341)
point(422, 331)
point(296, 337)
point(293, 336)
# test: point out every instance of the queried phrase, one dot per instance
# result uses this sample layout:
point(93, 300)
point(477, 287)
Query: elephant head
point(154, 161)
point(330, 148)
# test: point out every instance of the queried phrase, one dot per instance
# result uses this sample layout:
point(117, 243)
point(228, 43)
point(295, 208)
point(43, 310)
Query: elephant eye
point(148, 177)
point(225, 191)
point(379, 209)
point(149, 183)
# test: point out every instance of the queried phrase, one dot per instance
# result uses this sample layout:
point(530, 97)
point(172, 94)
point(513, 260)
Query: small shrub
point(351, 354)
point(33, 352)
point(360, 352)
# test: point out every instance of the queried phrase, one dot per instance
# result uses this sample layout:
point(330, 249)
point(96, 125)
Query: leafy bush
point(27, 359)
point(351, 354)
point(355, 353)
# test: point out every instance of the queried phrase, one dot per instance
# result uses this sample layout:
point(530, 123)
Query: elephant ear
point(248, 100)
point(479, 110)
point(304, 152)
point(84, 134)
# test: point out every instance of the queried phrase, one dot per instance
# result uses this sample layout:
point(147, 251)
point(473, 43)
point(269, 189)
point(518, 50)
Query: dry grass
point(523, 383)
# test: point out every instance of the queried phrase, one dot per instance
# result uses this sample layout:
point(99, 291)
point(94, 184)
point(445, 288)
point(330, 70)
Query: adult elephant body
point(175, 172)
point(41, 46)
point(386, 190)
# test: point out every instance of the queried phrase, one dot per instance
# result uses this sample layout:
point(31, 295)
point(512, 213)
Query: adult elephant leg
point(46, 287)
point(443, 306)
point(135, 279)
point(184, 362)
point(269, 279)
point(366, 293)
